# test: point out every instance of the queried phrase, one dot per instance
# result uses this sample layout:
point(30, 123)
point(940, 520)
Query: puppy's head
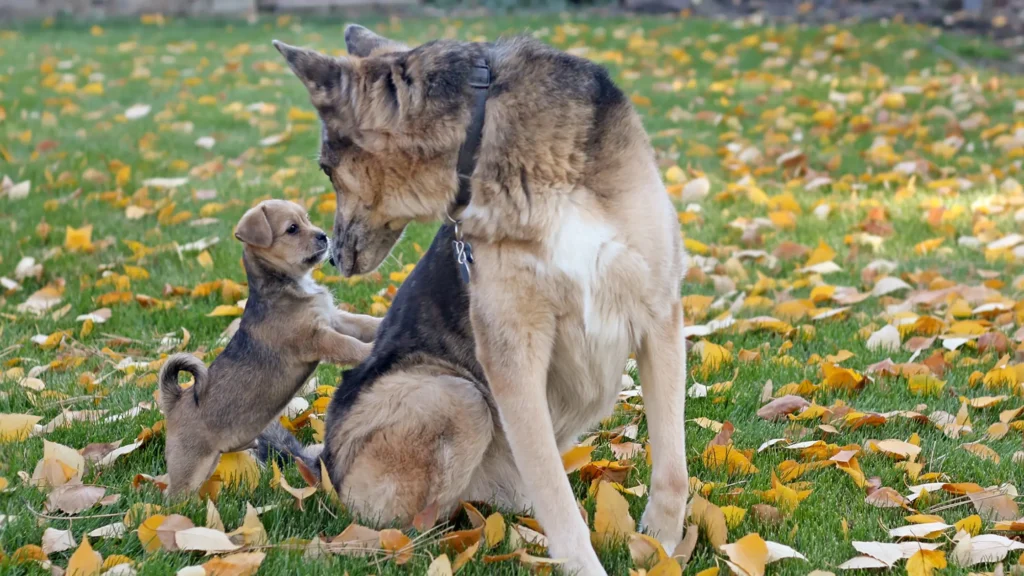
point(393, 119)
point(279, 234)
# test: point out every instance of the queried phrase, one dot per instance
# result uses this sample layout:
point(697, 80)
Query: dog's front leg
point(358, 326)
point(515, 334)
point(662, 364)
point(337, 348)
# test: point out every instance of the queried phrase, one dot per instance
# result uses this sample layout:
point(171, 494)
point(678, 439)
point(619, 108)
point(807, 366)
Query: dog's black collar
point(480, 81)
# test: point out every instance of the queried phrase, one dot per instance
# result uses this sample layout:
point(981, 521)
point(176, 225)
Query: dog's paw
point(664, 524)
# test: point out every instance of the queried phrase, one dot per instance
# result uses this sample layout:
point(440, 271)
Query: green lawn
point(814, 131)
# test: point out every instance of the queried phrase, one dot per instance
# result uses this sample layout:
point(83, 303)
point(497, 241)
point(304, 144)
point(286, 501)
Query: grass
point(735, 87)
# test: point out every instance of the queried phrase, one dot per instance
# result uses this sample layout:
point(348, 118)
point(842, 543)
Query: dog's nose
point(322, 238)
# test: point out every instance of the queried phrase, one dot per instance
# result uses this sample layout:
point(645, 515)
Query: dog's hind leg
point(189, 464)
point(662, 364)
point(413, 440)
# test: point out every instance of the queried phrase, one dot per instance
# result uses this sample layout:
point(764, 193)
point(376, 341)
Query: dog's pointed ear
point(362, 42)
point(254, 228)
point(319, 72)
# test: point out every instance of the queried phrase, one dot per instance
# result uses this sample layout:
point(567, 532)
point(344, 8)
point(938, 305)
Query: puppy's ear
point(325, 77)
point(254, 228)
point(362, 42)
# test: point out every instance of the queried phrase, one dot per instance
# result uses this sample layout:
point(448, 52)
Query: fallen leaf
point(85, 561)
point(925, 562)
point(57, 541)
point(612, 512)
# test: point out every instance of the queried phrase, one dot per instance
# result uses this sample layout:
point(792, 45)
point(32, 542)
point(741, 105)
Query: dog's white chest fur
point(597, 325)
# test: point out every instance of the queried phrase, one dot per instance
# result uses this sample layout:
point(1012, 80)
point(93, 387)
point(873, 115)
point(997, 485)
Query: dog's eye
point(293, 229)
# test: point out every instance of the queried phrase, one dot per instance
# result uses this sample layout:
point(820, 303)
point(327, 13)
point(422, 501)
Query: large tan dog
point(492, 362)
point(289, 325)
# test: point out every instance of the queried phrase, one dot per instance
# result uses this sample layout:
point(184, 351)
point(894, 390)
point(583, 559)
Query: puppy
point(289, 325)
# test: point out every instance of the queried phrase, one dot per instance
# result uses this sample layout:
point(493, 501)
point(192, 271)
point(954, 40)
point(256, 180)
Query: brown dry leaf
point(398, 545)
point(74, 497)
point(711, 520)
point(241, 564)
point(684, 551)
point(749, 553)
point(982, 451)
point(213, 520)
point(887, 498)
point(476, 519)
point(458, 541)
point(251, 532)
point(440, 566)
point(57, 541)
point(612, 512)
point(169, 527)
point(645, 550)
point(204, 540)
point(782, 406)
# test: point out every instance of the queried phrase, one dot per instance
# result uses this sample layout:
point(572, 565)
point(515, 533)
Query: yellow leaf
point(711, 520)
point(15, 427)
point(612, 514)
point(675, 175)
point(238, 468)
point(576, 458)
point(713, 355)
point(925, 385)
point(397, 544)
point(301, 115)
point(85, 561)
point(750, 553)
point(494, 530)
point(667, 567)
point(252, 531)
point(226, 310)
point(971, 525)
point(205, 260)
point(823, 253)
point(78, 239)
point(713, 571)
point(733, 515)
point(924, 562)
point(928, 245)
point(718, 455)
point(147, 533)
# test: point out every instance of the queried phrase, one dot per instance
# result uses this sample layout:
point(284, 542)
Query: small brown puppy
point(289, 325)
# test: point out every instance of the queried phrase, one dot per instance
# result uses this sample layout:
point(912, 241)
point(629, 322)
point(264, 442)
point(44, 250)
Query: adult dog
point(494, 360)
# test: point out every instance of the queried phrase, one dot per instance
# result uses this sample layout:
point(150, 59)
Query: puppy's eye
point(293, 229)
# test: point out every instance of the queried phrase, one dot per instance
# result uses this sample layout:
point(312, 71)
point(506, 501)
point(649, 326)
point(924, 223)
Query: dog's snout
point(321, 237)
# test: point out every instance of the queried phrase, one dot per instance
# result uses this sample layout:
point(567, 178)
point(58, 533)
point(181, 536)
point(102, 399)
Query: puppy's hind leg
point(662, 364)
point(189, 464)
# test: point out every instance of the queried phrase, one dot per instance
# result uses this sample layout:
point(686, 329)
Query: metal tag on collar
point(463, 252)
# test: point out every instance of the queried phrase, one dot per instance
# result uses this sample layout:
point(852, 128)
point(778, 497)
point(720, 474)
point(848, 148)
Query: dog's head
point(393, 119)
point(280, 235)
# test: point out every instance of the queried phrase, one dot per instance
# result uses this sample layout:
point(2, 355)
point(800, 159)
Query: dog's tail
point(170, 391)
point(276, 441)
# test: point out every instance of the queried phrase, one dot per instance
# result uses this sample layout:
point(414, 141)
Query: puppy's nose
point(321, 237)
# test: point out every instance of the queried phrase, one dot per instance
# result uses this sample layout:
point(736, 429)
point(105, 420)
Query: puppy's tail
point(276, 441)
point(170, 390)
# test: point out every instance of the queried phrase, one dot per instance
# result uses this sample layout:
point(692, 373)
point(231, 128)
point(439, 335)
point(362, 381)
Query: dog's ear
point(362, 42)
point(323, 75)
point(254, 228)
